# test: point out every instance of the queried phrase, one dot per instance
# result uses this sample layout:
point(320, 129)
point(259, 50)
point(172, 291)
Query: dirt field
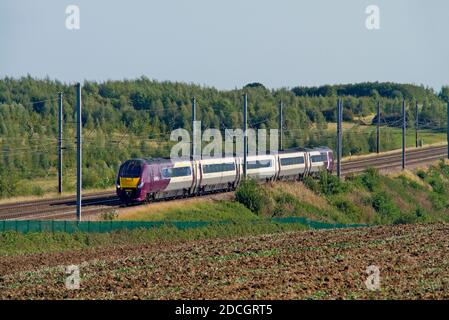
point(413, 261)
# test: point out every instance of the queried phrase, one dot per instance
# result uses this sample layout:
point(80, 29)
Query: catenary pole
point(339, 136)
point(78, 151)
point(416, 124)
point(245, 134)
point(378, 128)
point(60, 115)
point(193, 128)
point(404, 126)
point(281, 125)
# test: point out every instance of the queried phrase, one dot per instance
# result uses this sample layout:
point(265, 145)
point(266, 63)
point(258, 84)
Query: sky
point(228, 43)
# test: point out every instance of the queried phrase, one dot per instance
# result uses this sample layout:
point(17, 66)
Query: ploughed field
point(413, 261)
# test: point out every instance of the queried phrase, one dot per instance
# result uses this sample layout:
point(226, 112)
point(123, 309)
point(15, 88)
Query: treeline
point(369, 89)
point(134, 118)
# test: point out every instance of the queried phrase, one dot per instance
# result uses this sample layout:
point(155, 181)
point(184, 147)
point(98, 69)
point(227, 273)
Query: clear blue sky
point(228, 43)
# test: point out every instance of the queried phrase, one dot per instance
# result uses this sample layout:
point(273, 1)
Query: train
point(149, 180)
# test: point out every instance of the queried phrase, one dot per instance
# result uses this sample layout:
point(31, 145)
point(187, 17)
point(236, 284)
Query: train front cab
point(129, 185)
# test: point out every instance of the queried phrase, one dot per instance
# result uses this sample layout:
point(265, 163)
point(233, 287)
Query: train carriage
point(292, 165)
point(261, 167)
point(319, 159)
point(218, 174)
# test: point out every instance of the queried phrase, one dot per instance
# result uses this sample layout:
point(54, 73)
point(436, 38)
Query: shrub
point(421, 174)
point(251, 196)
point(8, 184)
point(110, 215)
point(326, 185)
point(420, 212)
point(384, 205)
point(285, 205)
point(351, 210)
point(90, 179)
point(439, 202)
point(437, 184)
point(415, 185)
point(330, 185)
point(38, 191)
point(370, 179)
point(444, 168)
point(312, 184)
point(405, 219)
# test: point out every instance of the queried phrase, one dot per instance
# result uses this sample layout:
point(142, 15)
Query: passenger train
point(146, 180)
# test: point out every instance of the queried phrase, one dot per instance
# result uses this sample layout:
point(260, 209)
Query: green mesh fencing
point(316, 224)
point(26, 226)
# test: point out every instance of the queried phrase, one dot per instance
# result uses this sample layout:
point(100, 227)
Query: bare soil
point(413, 261)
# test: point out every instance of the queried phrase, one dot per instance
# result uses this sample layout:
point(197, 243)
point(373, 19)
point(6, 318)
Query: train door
point(330, 157)
point(196, 175)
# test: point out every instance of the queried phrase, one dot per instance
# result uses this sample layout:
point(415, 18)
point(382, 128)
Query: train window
point(218, 167)
point(176, 172)
point(258, 164)
point(292, 161)
point(319, 158)
point(131, 169)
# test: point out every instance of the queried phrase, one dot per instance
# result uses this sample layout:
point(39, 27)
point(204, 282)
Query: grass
point(428, 137)
point(49, 193)
point(14, 243)
point(191, 210)
point(369, 198)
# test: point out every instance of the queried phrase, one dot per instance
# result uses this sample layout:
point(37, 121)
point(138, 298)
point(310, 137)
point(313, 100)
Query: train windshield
point(131, 169)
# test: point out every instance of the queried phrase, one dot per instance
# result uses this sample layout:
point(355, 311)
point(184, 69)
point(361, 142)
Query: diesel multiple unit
point(150, 179)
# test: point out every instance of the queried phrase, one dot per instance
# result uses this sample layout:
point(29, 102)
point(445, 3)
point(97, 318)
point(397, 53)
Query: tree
point(444, 94)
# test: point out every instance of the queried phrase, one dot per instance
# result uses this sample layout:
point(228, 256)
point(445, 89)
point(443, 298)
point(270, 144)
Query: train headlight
point(140, 185)
point(118, 185)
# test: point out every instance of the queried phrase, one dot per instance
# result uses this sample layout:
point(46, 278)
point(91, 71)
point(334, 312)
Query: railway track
point(393, 160)
point(60, 208)
point(63, 208)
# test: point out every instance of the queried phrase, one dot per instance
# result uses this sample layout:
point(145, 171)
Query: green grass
point(366, 198)
point(195, 210)
point(13, 243)
point(427, 136)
